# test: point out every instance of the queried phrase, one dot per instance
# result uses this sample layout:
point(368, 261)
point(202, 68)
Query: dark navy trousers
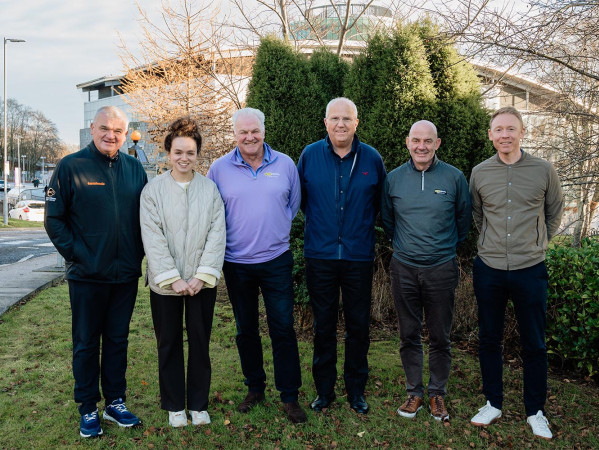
point(274, 280)
point(325, 280)
point(527, 288)
point(101, 313)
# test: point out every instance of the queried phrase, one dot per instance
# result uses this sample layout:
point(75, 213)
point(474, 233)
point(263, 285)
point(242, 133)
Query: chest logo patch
point(96, 183)
point(271, 174)
point(440, 192)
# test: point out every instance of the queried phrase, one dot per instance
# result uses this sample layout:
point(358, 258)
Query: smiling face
point(341, 123)
point(506, 132)
point(250, 137)
point(109, 131)
point(183, 157)
point(422, 144)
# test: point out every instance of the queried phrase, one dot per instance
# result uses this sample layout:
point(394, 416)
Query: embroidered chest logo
point(440, 192)
point(96, 183)
point(271, 174)
point(364, 173)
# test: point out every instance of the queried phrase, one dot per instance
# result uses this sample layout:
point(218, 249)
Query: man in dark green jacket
point(92, 218)
point(426, 211)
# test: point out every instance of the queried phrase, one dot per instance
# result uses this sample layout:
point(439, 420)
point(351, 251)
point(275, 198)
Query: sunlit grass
point(37, 408)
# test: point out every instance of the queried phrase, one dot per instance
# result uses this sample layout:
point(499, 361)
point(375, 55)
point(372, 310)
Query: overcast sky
point(68, 42)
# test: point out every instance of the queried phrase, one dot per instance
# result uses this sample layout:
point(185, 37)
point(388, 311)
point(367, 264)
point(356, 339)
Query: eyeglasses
point(336, 120)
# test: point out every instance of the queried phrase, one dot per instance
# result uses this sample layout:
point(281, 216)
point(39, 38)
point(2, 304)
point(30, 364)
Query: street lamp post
point(19, 158)
point(6, 164)
point(43, 158)
point(23, 165)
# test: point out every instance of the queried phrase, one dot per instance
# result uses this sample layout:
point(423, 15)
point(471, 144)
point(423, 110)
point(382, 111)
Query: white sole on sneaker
point(477, 424)
point(408, 415)
point(112, 419)
point(91, 435)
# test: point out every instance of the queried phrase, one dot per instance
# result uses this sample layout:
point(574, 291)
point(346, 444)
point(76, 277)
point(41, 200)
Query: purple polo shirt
point(259, 205)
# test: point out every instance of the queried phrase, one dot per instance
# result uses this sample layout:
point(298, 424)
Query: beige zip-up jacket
point(183, 230)
point(517, 209)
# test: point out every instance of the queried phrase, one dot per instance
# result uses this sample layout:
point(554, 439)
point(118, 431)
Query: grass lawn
point(37, 408)
point(16, 223)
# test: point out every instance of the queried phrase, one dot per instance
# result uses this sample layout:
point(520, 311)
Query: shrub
point(573, 306)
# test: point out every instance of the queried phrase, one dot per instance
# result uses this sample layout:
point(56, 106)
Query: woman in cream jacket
point(183, 231)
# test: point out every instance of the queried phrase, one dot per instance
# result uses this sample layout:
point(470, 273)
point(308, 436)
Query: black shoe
point(250, 400)
point(322, 401)
point(295, 413)
point(358, 404)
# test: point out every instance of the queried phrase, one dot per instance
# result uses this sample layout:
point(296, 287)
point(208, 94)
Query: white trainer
point(486, 415)
point(200, 417)
point(540, 425)
point(177, 419)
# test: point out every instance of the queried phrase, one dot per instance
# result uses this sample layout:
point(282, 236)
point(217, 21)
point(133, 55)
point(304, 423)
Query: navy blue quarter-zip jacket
point(340, 200)
point(92, 215)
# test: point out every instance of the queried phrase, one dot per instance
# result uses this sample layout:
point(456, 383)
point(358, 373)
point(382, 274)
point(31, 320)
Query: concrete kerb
point(23, 280)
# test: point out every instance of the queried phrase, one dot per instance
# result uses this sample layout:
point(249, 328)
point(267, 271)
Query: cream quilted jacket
point(183, 231)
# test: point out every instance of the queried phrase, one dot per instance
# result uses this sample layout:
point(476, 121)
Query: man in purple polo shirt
point(261, 192)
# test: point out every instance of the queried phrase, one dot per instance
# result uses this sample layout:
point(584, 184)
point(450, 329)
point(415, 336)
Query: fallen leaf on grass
point(227, 422)
point(361, 433)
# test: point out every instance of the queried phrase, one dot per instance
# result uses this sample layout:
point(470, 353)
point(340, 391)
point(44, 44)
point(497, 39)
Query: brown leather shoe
point(295, 413)
point(410, 407)
point(250, 400)
point(438, 409)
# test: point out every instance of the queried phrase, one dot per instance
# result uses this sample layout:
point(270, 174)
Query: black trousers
point(100, 311)
point(167, 315)
point(324, 279)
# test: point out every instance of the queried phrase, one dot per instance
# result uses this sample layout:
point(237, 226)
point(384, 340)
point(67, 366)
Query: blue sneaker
point(90, 425)
point(118, 412)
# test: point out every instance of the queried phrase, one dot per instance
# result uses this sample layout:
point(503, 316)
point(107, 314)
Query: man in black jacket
point(92, 218)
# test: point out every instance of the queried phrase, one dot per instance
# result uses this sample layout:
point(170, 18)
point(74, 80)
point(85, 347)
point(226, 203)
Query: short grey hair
point(113, 111)
point(248, 112)
point(342, 99)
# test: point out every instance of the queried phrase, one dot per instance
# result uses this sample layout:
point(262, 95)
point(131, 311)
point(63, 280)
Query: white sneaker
point(486, 415)
point(540, 425)
point(200, 417)
point(177, 418)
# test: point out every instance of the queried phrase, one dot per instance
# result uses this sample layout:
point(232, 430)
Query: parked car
point(33, 194)
point(9, 184)
point(14, 195)
point(28, 210)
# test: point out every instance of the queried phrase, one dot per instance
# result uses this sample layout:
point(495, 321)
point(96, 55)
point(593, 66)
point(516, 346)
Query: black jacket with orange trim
point(92, 215)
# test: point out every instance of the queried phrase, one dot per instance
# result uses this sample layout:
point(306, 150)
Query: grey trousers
point(428, 290)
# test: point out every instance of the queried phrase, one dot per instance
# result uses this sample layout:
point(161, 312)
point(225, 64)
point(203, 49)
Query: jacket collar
point(355, 146)
point(98, 154)
point(269, 156)
point(429, 168)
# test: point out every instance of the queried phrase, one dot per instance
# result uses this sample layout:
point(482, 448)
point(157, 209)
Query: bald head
point(424, 124)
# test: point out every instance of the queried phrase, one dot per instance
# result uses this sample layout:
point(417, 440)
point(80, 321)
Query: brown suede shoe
point(295, 413)
point(438, 409)
point(250, 400)
point(410, 407)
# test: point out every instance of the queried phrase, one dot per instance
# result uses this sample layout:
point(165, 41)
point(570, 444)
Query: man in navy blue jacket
point(341, 180)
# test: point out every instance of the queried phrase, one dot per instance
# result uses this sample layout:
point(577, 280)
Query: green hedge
point(573, 307)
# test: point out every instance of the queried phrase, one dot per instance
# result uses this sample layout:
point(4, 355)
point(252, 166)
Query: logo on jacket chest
point(96, 183)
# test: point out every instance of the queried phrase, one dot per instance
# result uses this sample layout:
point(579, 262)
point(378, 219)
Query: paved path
point(21, 280)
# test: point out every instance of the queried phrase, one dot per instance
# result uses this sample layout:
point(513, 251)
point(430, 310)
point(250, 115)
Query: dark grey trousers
point(428, 290)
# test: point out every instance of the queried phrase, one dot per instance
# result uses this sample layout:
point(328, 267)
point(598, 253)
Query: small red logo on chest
point(365, 173)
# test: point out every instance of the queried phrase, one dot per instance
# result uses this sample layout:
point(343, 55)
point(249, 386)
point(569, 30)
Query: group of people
point(103, 216)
